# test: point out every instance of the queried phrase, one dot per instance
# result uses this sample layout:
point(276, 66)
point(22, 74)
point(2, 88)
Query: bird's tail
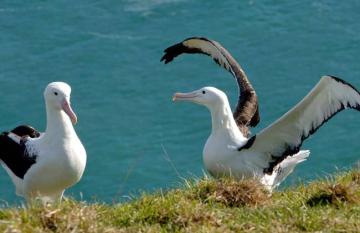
point(284, 169)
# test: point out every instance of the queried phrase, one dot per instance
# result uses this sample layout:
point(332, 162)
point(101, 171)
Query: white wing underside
point(328, 97)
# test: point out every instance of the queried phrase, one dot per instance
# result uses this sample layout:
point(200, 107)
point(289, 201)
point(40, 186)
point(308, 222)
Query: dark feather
point(14, 155)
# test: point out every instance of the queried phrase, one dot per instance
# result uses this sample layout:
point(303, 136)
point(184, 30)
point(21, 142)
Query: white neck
point(58, 124)
point(223, 121)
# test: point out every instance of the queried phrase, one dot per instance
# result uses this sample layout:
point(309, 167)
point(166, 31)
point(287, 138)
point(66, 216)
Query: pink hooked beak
point(68, 110)
point(184, 96)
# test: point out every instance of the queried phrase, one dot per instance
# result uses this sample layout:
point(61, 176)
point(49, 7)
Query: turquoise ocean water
point(109, 52)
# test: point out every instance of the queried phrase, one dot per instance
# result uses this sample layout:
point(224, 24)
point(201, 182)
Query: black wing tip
point(172, 52)
point(166, 59)
point(175, 50)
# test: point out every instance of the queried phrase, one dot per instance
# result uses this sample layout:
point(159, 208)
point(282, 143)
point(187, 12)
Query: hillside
point(331, 205)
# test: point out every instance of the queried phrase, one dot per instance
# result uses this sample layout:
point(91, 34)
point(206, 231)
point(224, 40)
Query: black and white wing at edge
point(285, 136)
point(13, 152)
point(246, 113)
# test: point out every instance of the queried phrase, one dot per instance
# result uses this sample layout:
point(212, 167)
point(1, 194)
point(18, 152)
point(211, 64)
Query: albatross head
point(57, 97)
point(210, 97)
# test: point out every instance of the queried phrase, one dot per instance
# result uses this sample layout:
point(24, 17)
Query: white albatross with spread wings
point(43, 165)
point(272, 154)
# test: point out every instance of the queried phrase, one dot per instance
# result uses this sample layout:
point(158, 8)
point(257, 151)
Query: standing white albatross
point(272, 154)
point(43, 165)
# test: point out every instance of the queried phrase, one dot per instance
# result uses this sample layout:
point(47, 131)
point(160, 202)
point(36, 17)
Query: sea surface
point(136, 138)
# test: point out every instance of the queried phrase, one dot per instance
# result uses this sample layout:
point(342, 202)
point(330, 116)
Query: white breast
point(59, 165)
point(221, 156)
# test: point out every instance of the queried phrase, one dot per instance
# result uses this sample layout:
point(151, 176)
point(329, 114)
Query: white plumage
point(272, 154)
point(44, 166)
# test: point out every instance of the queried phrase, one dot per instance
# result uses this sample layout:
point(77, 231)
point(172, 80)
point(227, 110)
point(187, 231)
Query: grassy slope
point(331, 205)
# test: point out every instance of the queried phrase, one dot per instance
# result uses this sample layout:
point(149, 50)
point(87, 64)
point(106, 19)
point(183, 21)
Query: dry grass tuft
point(233, 193)
point(334, 195)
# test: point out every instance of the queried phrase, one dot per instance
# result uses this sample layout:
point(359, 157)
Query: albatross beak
point(68, 110)
point(184, 96)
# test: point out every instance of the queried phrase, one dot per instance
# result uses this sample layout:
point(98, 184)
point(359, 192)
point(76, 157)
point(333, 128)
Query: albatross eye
point(55, 93)
point(203, 92)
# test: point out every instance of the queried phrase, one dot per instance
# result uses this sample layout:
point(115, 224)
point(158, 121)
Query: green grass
point(331, 205)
